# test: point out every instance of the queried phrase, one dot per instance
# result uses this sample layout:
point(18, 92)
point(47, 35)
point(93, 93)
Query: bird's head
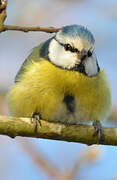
point(72, 48)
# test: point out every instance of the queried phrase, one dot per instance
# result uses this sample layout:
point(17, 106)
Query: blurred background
point(16, 161)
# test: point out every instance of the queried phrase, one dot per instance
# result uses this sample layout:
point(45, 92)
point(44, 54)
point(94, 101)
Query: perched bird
point(61, 81)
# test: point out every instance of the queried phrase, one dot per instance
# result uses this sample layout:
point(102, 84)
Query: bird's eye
point(67, 47)
point(89, 53)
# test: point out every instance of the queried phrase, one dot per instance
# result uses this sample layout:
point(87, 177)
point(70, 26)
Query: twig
point(27, 29)
point(39, 160)
point(13, 127)
point(89, 155)
point(3, 27)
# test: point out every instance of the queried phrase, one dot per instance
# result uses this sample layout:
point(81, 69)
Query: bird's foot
point(34, 119)
point(99, 132)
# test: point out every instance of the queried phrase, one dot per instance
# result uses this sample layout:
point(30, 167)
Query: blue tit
point(61, 80)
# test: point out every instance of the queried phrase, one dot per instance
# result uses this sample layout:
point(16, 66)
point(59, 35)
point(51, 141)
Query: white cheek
point(65, 58)
point(60, 57)
point(91, 66)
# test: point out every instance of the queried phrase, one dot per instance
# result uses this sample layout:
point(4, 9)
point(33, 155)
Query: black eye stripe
point(68, 47)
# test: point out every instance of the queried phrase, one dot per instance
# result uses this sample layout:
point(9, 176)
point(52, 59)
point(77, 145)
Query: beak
point(83, 55)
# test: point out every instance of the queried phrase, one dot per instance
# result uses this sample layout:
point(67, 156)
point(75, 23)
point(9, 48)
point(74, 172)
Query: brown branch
point(13, 127)
point(3, 27)
point(39, 159)
point(90, 154)
point(27, 29)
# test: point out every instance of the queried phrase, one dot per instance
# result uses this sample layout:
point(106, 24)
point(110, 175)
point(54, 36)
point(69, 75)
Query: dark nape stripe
point(98, 67)
point(44, 51)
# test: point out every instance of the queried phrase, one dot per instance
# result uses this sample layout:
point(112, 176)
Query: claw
point(34, 119)
point(99, 132)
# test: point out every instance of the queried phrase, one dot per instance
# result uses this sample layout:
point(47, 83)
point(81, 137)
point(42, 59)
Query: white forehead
point(76, 35)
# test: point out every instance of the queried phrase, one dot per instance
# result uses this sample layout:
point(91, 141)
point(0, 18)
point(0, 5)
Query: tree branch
point(40, 160)
point(13, 127)
point(3, 5)
point(27, 29)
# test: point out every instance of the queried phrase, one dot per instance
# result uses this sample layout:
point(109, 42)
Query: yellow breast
point(43, 86)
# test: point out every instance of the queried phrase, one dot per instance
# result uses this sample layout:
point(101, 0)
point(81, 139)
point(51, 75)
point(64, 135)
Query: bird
point(61, 81)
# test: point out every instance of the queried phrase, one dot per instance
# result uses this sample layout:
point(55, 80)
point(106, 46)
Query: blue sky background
point(101, 18)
